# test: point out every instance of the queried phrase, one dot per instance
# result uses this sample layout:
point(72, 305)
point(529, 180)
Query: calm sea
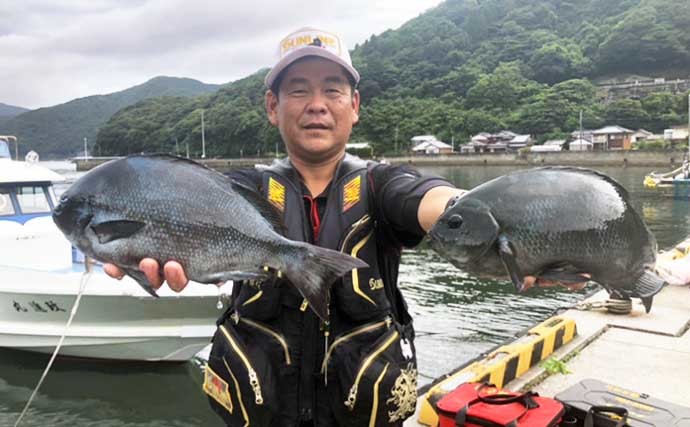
point(457, 318)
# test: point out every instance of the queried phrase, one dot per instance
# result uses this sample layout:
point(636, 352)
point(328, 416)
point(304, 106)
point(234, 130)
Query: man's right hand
point(172, 272)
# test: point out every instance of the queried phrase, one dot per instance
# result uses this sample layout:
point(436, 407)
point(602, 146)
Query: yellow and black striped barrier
point(503, 364)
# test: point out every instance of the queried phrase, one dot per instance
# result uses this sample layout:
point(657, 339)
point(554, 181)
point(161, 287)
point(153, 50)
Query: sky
point(53, 51)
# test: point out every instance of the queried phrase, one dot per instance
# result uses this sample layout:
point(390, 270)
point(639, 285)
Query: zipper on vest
point(375, 404)
point(352, 397)
point(354, 228)
point(253, 378)
point(387, 322)
point(239, 394)
point(265, 329)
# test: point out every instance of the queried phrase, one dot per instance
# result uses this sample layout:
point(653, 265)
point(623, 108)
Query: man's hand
point(532, 281)
point(173, 273)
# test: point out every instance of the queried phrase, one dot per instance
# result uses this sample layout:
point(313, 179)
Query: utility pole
point(203, 139)
point(177, 147)
point(86, 153)
point(580, 125)
point(396, 139)
point(452, 142)
point(276, 149)
point(187, 149)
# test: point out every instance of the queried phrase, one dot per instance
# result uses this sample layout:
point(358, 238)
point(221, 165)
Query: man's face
point(315, 109)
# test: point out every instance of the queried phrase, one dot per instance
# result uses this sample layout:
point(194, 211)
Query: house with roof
point(431, 147)
point(676, 135)
point(612, 138)
point(549, 146)
point(580, 145)
point(641, 135)
point(519, 141)
point(504, 140)
point(587, 135)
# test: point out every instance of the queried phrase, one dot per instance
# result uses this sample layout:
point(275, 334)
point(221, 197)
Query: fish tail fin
point(314, 272)
point(646, 286)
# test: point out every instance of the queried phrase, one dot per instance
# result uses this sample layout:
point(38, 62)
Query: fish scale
point(552, 222)
point(169, 208)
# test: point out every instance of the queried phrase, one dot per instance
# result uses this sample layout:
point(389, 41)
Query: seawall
point(569, 158)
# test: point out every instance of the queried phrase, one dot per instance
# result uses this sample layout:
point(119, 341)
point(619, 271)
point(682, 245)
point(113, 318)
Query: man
point(273, 361)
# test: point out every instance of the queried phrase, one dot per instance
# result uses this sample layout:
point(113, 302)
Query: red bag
point(484, 405)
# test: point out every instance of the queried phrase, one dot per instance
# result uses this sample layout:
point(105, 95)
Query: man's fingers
point(175, 276)
point(528, 282)
point(151, 269)
point(112, 271)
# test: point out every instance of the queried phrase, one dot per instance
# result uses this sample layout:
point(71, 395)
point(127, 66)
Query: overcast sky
point(53, 51)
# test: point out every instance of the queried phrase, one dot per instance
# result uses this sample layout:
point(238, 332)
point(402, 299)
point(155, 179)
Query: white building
point(432, 147)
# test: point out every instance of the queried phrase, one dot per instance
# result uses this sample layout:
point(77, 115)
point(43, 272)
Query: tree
point(555, 62)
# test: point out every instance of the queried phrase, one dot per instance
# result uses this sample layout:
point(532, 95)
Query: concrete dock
point(645, 352)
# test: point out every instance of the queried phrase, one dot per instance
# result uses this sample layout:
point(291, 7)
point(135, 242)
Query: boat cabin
point(28, 236)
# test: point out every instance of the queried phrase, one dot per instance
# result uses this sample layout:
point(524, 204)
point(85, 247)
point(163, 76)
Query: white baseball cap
point(311, 42)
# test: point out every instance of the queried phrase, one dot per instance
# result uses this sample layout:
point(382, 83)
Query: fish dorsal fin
point(119, 229)
point(267, 210)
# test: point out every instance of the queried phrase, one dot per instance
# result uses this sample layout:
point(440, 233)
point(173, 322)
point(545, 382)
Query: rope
point(613, 305)
point(84, 279)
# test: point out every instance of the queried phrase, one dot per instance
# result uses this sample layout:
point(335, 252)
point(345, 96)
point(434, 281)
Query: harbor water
point(457, 318)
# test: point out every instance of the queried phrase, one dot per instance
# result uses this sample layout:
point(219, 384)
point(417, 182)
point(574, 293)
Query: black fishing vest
point(272, 321)
point(347, 225)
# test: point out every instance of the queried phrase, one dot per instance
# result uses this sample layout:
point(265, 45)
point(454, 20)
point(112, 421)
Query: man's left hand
point(533, 281)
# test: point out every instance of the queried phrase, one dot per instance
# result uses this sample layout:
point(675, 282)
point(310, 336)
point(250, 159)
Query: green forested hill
point(59, 131)
point(463, 67)
point(11, 110)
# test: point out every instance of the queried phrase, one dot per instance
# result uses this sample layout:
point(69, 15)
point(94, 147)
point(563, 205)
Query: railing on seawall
point(568, 158)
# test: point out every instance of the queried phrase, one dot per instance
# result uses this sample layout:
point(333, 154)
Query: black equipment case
point(643, 410)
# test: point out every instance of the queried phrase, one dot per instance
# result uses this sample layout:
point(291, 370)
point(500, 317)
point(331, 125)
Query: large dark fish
point(555, 223)
point(170, 208)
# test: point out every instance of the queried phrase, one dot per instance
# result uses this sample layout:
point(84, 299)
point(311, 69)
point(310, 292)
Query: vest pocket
point(261, 301)
point(371, 375)
point(239, 380)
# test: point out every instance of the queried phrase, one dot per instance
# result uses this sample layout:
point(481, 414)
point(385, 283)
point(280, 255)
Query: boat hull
point(115, 319)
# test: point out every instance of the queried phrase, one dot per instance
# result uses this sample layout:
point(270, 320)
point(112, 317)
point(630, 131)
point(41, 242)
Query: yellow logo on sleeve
point(351, 192)
point(276, 194)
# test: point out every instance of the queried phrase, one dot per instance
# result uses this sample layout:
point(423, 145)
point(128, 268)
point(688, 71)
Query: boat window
point(6, 207)
point(4, 150)
point(32, 199)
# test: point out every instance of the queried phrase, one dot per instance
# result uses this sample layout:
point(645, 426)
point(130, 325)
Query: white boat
point(40, 277)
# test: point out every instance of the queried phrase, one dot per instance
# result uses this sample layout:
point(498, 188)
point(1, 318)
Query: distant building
point(587, 135)
point(492, 143)
point(676, 135)
point(613, 138)
point(520, 141)
point(422, 138)
point(549, 146)
point(641, 135)
point(432, 146)
point(580, 145)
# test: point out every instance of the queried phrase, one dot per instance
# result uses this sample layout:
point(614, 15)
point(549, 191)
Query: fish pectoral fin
point(112, 230)
point(507, 255)
point(141, 279)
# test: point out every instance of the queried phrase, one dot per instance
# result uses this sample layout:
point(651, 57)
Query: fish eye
point(455, 221)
